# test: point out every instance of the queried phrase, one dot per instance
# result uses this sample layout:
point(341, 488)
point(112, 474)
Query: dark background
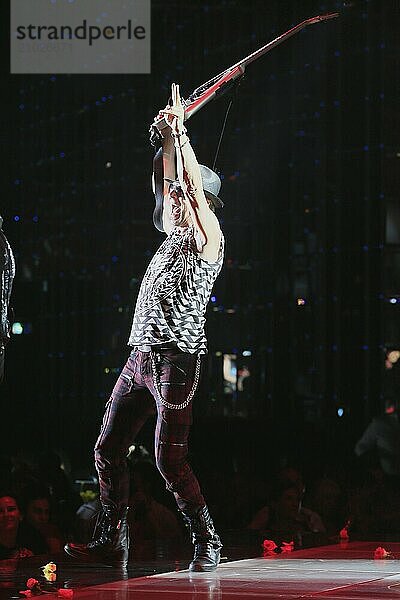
point(309, 161)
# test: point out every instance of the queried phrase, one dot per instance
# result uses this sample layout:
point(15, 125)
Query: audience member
point(382, 436)
point(284, 517)
point(87, 513)
point(327, 499)
point(149, 518)
point(11, 543)
point(374, 508)
point(44, 535)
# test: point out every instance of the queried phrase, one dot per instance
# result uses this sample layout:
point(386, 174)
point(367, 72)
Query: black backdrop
point(308, 163)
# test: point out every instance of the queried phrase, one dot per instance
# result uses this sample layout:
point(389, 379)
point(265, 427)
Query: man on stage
point(7, 273)
point(163, 369)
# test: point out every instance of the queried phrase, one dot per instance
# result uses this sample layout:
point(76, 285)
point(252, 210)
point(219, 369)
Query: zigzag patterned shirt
point(174, 294)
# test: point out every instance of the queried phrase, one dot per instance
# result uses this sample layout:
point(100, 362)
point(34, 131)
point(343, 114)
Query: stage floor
point(344, 571)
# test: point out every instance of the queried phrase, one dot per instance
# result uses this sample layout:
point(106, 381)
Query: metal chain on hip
point(157, 384)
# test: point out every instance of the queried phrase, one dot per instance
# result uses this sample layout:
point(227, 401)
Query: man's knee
point(171, 460)
point(102, 458)
point(107, 455)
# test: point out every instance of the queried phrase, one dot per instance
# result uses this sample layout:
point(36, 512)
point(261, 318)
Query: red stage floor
point(346, 571)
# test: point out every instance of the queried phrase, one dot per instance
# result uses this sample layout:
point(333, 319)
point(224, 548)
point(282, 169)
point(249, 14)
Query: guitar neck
point(221, 83)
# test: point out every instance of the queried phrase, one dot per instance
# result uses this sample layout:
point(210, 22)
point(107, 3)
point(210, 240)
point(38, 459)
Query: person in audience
point(44, 536)
point(11, 543)
point(374, 508)
point(150, 519)
point(327, 499)
point(87, 514)
point(284, 516)
point(382, 437)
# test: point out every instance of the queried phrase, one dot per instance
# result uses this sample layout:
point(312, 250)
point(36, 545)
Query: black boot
point(110, 543)
point(207, 545)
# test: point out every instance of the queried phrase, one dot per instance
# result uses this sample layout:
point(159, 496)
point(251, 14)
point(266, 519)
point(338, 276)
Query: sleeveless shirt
point(174, 294)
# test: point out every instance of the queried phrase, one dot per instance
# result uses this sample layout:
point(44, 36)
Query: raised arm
point(189, 176)
point(169, 169)
point(163, 168)
point(168, 158)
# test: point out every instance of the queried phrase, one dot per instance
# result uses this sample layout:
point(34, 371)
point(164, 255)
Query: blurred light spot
point(17, 328)
point(393, 356)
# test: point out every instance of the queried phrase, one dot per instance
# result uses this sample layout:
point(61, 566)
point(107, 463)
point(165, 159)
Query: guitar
point(214, 88)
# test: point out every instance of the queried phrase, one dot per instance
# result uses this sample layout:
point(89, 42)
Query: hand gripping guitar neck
point(215, 87)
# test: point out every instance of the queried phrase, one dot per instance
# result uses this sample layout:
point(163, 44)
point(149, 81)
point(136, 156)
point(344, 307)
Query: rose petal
point(65, 593)
point(269, 545)
point(287, 546)
point(381, 553)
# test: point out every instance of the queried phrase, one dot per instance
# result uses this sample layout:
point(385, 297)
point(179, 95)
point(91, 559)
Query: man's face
point(10, 515)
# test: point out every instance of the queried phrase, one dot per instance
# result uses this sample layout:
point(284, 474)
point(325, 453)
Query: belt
point(166, 346)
